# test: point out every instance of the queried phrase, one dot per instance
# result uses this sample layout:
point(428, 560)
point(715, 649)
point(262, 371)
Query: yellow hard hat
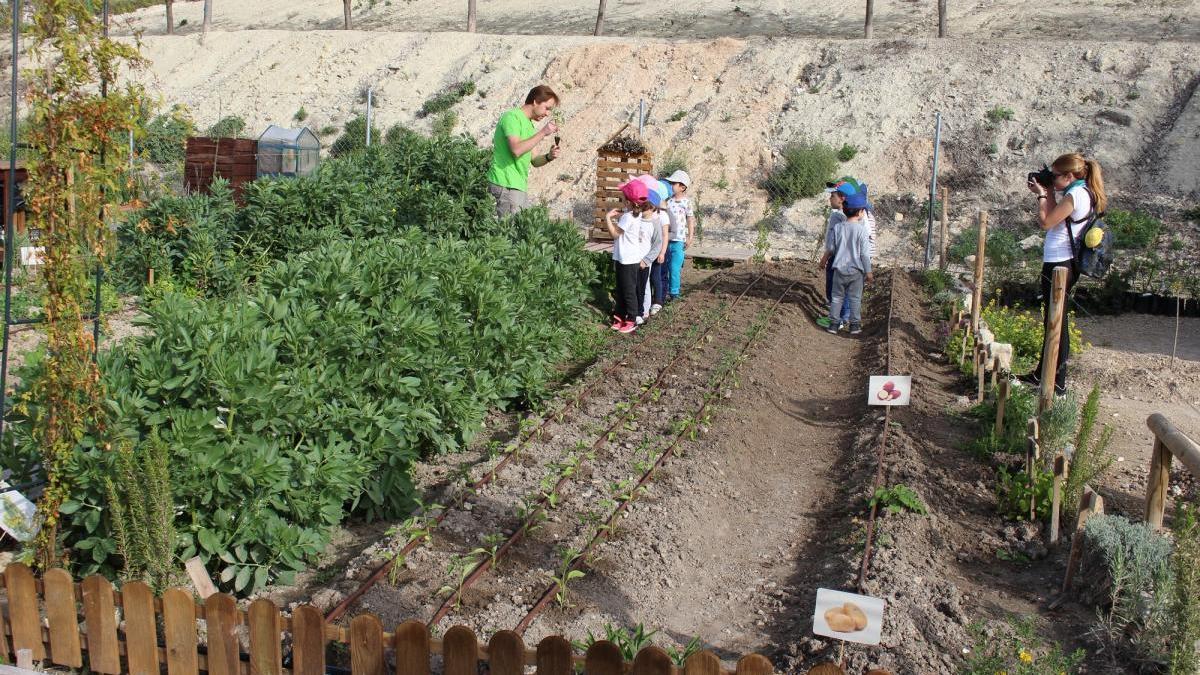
point(1093, 238)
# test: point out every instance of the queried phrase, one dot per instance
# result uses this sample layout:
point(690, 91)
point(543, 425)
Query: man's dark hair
point(541, 94)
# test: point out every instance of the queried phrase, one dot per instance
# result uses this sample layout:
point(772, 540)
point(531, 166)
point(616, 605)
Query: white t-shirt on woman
point(1058, 246)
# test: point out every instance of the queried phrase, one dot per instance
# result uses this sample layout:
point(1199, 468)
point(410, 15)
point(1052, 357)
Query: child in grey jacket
point(851, 264)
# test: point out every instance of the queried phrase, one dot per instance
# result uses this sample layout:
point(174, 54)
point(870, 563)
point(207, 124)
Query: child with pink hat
point(632, 235)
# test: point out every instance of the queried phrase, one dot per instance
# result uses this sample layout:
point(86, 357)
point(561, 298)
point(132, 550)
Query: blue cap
point(857, 199)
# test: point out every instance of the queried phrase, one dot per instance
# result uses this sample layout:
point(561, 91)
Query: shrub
point(1184, 598)
point(231, 126)
point(1192, 214)
point(353, 138)
point(1136, 560)
point(1132, 229)
point(898, 499)
point(1018, 649)
point(447, 98)
point(847, 152)
point(166, 136)
point(805, 168)
point(679, 115)
point(444, 123)
point(999, 114)
point(936, 281)
point(300, 115)
point(1091, 458)
point(1021, 405)
point(1003, 250)
point(672, 160)
point(1013, 492)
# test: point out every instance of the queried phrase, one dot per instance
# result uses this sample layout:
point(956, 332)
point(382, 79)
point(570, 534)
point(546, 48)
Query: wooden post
point(995, 371)
point(1156, 484)
point(1032, 430)
point(1057, 300)
point(980, 369)
point(977, 295)
point(962, 353)
point(347, 20)
point(170, 17)
point(1031, 457)
point(945, 230)
point(600, 18)
point(471, 15)
point(1001, 401)
point(150, 277)
point(942, 11)
point(870, 17)
point(207, 16)
point(1060, 474)
point(1090, 504)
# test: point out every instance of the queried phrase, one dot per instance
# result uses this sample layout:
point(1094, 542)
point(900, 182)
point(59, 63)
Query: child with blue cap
point(850, 260)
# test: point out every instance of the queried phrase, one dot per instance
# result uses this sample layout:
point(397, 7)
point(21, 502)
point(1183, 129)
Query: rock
point(326, 598)
point(1032, 241)
point(1116, 117)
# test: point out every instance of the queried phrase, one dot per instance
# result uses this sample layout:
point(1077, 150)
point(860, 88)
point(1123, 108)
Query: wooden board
point(308, 641)
point(266, 656)
point(366, 646)
point(99, 610)
point(411, 642)
point(506, 654)
point(604, 658)
point(179, 631)
point(460, 652)
point(554, 656)
point(23, 611)
point(141, 629)
point(702, 663)
point(221, 614)
point(63, 616)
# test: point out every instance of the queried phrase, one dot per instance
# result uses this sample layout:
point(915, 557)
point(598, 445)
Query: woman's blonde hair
point(1087, 170)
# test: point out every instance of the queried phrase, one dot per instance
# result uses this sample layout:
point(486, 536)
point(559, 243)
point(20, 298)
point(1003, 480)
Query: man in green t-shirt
point(512, 149)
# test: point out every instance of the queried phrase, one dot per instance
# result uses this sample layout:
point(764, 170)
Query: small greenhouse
point(287, 152)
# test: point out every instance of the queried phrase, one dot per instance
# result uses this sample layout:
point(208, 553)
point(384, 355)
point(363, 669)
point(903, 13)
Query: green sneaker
point(823, 321)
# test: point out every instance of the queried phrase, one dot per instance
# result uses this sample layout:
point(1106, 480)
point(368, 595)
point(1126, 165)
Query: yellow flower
point(1026, 657)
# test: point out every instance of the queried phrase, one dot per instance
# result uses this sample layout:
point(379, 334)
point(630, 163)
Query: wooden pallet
point(613, 169)
point(234, 159)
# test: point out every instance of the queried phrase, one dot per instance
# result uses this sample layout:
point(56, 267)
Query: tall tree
point(600, 18)
point(346, 14)
point(170, 17)
point(870, 16)
point(471, 16)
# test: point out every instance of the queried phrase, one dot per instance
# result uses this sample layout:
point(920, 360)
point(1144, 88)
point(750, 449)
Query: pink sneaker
point(616, 325)
point(627, 327)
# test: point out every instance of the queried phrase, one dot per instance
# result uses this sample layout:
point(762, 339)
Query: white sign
point(889, 390)
point(849, 617)
point(17, 514)
point(33, 255)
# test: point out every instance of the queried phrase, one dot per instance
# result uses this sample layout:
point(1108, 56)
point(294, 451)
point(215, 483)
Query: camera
point(1045, 177)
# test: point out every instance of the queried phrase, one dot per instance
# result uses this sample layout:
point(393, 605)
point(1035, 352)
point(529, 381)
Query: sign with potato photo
point(889, 390)
point(849, 617)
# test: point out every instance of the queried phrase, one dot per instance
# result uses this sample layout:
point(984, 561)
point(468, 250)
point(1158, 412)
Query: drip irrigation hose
point(603, 531)
point(887, 425)
point(386, 566)
point(525, 525)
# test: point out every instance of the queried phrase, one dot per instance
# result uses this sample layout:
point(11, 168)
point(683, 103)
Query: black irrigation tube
point(531, 518)
point(414, 543)
point(887, 425)
point(603, 531)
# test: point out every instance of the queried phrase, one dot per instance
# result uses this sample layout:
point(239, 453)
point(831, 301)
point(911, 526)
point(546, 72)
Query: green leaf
point(68, 507)
point(209, 541)
point(243, 578)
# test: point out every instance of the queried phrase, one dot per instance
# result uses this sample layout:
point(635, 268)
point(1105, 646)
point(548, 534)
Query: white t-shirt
point(634, 243)
point(680, 210)
point(869, 221)
point(1058, 246)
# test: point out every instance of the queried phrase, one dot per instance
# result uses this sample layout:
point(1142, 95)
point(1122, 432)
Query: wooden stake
point(1050, 346)
point(1156, 484)
point(347, 20)
point(980, 369)
point(170, 17)
point(1175, 345)
point(600, 18)
point(150, 277)
point(471, 16)
point(945, 230)
point(1089, 505)
point(1001, 401)
point(1032, 430)
point(200, 580)
point(870, 18)
point(962, 353)
point(1060, 473)
point(1031, 456)
point(995, 371)
point(977, 296)
point(942, 18)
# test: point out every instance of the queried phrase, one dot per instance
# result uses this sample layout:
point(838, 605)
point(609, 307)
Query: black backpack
point(1092, 261)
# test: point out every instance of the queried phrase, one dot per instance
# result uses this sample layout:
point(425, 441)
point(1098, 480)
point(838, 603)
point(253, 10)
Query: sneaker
point(831, 330)
point(639, 321)
point(616, 324)
point(1031, 379)
point(655, 309)
point(823, 321)
point(841, 326)
point(855, 329)
point(1060, 392)
point(627, 327)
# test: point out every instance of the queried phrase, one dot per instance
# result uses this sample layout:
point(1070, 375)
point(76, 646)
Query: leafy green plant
point(679, 114)
point(1091, 457)
point(1013, 492)
point(1000, 114)
point(444, 123)
point(898, 499)
point(935, 281)
point(354, 137)
point(1003, 250)
point(300, 115)
point(457, 570)
point(629, 641)
point(143, 514)
point(1017, 649)
point(672, 160)
point(1132, 229)
point(565, 575)
point(166, 136)
point(804, 169)
point(230, 126)
point(847, 152)
point(490, 549)
point(1020, 328)
point(1183, 601)
point(447, 98)
point(680, 656)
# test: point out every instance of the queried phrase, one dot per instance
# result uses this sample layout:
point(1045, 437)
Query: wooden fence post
point(977, 294)
point(1060, 473)
point(1156, 484)
point(1090, 504)
point(942, 18)
point(945, 230)
point(411, 642)
point(867, 28)
point(308, 642)
point(980, 369)
point(604, 658)
point(506, 654)
point(1001, 402)
point(1050, 346)
point(600, 18)
point(366, 646)
point(1031, 469)
point(471, 16)
point(460, 651)
point(995, 371)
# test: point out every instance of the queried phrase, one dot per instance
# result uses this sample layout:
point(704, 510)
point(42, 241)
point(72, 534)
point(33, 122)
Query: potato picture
point(850, 617)
point(896, 394)
point(860, 617)
point(889, 385)
point(839, 620)
point(889, 390)
point(883, 395)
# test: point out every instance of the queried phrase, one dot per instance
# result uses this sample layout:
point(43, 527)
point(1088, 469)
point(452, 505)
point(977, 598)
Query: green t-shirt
point(506, 170)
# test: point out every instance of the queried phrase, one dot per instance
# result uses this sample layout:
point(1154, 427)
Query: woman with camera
point(1069, 194)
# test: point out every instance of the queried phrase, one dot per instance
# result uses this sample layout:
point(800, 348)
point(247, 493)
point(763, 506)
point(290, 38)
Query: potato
point(839, 621)
point(860, 618)
point(896, 394)
point(883, 395)
point(889, 385)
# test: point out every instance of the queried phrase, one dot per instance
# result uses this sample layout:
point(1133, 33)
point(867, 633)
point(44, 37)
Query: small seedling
point(898, 499)
point(566, 575)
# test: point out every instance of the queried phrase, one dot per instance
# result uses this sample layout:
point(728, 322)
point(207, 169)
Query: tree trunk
point(471, 16)
point(170, 17)
point(870, 16)
point(346, 14)
point(600, 18)
point(942, 9)
point(207, 16)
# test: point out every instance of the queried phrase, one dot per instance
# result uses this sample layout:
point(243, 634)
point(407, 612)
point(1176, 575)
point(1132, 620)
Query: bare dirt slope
point(729, 105)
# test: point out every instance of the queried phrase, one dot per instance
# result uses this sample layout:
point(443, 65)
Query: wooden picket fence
point(132, 631)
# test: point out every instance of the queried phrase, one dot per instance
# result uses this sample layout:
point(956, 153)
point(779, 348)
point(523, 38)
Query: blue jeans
point(675, 255)
point(658, 280)
point(845, 314)
point(847, 293)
